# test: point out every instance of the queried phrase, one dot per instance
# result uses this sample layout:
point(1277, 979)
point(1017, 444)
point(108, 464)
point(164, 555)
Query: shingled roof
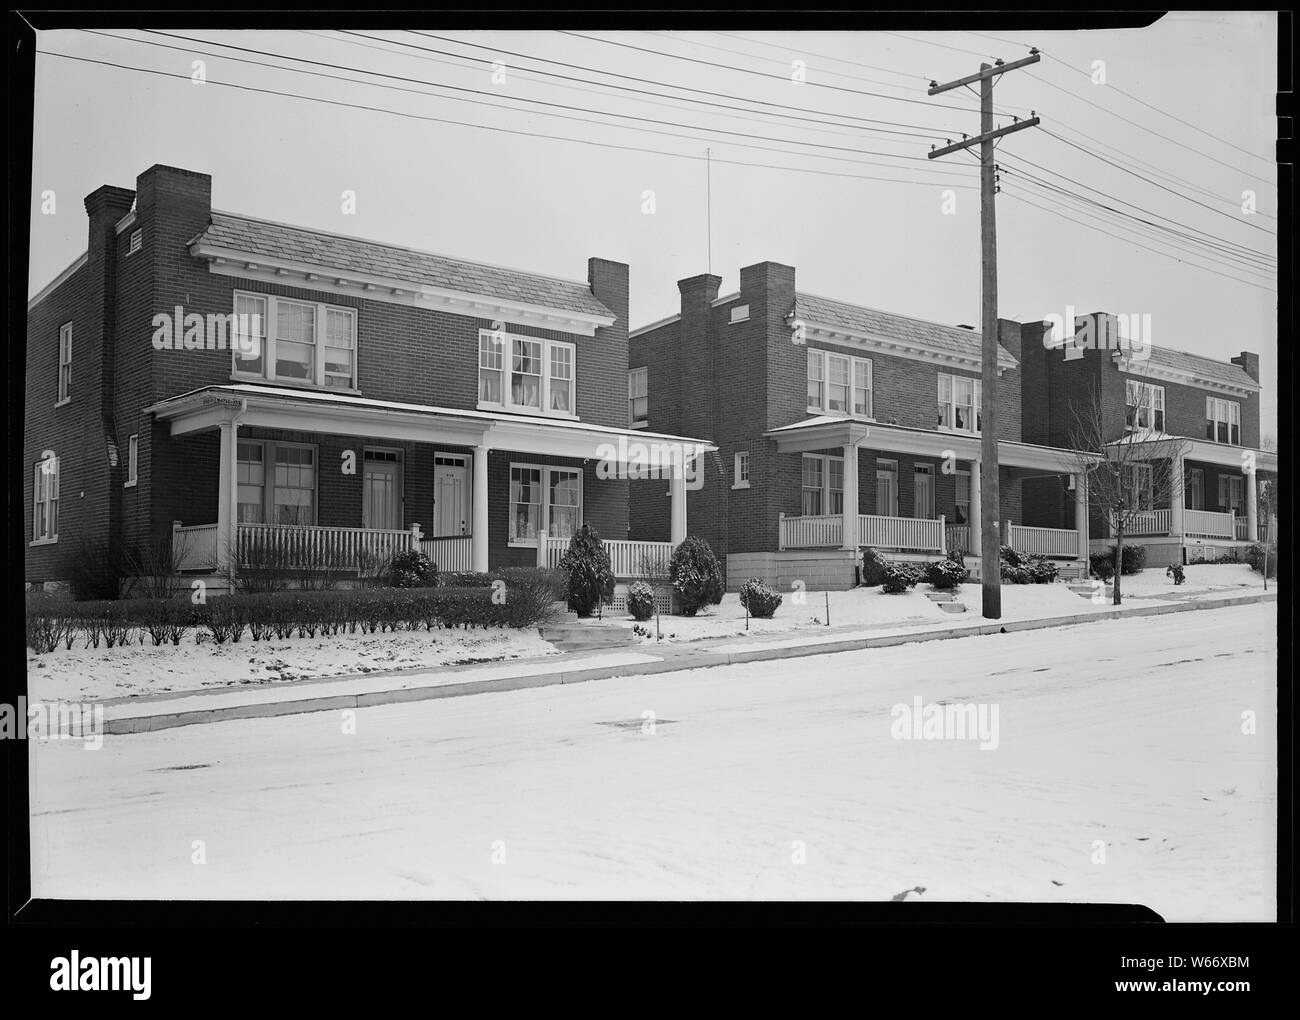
point(890, 326)
point(1201, 367)
point(250, 236)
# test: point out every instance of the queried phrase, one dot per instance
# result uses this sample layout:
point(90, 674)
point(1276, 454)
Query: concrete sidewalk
point(185, 708)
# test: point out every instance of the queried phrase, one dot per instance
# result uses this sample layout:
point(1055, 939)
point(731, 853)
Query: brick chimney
point(1249, 364)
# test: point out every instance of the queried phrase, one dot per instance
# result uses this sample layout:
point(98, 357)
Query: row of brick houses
point(228, 385)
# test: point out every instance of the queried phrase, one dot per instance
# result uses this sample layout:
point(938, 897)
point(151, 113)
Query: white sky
point(547, 204)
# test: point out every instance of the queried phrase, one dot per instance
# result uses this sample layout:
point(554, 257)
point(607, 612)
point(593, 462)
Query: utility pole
point(990, 499)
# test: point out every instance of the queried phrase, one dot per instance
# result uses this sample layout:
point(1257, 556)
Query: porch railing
point(1208, 524)
point(342, 548)
point(1243, 531)
point(449, 553)
point(1149, 522)
point(195, 547)
point(959, 538)
point(1043, 541)
point(629, 559)
point(912, 534)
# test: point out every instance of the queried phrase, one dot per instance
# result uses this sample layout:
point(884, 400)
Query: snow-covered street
point(1121, 773)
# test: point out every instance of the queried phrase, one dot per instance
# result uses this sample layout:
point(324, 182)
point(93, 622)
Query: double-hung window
point(45, 500)
point(1144, 406)
point(65, 362)
point(1232, 495)
point(303, 343)
point(959, 403)
point(526, 373)
point(544, 499)
point(1223, 421)
point(275, 482)
point(638, 400)
point(839, 384)
point(822, 491)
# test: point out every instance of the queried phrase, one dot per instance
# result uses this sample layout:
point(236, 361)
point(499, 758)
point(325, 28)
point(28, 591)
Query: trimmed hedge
point(899, 577)
point(526, 599)
point(873, 568)
point(641, 601)
point(760, 599)
point(1255, 556)
point(696, 574)
point(946, 573)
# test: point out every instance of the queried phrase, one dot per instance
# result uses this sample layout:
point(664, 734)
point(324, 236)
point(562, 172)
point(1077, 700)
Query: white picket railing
point(449, 553)
point(959, 538)
point(1208, 524)
point(342, 548)
point(629, 559)
point(912, 534)
point(1241, 525)
point(812, 532)
point(195, 547)
point(1149, 522)
point(1043, 541)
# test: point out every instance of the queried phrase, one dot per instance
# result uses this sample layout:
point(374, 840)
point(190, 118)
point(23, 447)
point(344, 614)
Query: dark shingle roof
point(338, 252)
point(856, 318)
point(1201, 367)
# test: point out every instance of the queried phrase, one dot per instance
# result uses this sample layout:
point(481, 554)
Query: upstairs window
point(525, 373)
point(1223, 421)
point(960, 403)
point(839, 384)
point(741, 480)
point(638, 400)
point(1144, 406)
point(302, 343)
point(132, 459)
point(65, 363)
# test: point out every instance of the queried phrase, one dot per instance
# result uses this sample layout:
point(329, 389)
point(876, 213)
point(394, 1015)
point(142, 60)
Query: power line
point(933, 132)
point(521, 99)
point(1129, 240)
point(825, 56)
point(488, 127)
point(1142, 102)
point(764, 74)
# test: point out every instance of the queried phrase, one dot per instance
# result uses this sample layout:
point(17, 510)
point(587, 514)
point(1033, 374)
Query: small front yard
point(99, 673)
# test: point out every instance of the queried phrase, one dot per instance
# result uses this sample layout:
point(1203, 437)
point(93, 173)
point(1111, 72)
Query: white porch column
point(975, 524)
point(677, 497)
point(227, 497)
point(1252, 507)
point(1177, 494)
point(849, 528)
point(478, 542)
point(1081, 512)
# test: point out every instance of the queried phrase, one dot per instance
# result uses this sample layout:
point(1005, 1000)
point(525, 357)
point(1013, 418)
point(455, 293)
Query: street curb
point(337, 702)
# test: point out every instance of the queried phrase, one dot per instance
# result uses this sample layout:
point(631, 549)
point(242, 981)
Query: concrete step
point(953, 607)
point(573, 637)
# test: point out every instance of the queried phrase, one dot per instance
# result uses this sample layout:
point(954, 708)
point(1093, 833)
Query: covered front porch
point(336, 483)
point(926, 488)
point(1219, 508)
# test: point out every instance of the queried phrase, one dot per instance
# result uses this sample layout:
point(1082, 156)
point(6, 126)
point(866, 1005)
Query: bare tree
point(1129, 464)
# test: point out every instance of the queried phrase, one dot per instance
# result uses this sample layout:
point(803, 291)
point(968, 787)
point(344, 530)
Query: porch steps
point(946, 601)
point(569, 634)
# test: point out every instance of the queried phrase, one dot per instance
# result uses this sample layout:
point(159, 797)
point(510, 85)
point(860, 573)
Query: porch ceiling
point(821, 432)
point(1218, 454)
point(342, 414)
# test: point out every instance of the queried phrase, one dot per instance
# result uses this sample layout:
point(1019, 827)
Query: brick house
point(232, 383)
point(838, 426)
point(1200, 413)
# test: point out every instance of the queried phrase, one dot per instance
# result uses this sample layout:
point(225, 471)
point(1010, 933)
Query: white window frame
point(45, 501)
point(545, 472)
point(269, 446)
point(825, 490)
point(507, 375)
point(270, 325)
point(1225, 493)
point(949, 406)
point(740, 313)
point(1136, 397)
point(638, 379)
point(740, 478)
point(132, 460)
point(892, 472)
point(1219, 411)
point(856, 365)
point(64, 393)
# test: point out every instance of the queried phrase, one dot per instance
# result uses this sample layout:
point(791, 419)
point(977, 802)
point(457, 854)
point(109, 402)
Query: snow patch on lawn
point(99, 673)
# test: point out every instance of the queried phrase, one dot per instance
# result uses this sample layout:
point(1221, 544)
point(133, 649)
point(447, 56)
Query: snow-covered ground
point(1122, 773)
point(871, 607)
point(97, 673)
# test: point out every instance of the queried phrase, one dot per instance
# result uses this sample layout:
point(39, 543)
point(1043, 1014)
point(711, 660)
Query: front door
point(924, 481)
point(887, 488)
point(382, 487)
point(451, 495)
